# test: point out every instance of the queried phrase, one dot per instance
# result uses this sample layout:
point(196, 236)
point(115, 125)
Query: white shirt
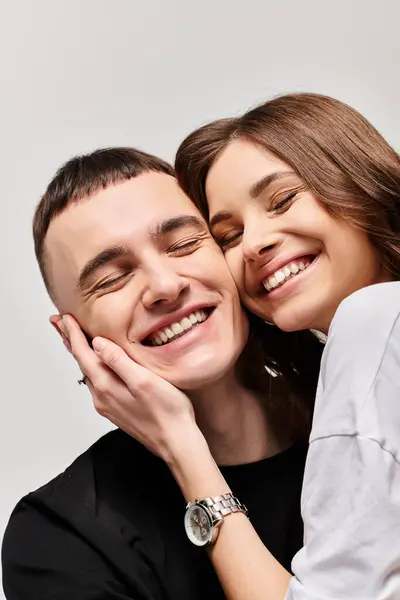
point(351, 491)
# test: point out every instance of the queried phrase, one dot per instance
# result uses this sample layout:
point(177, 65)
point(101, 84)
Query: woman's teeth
point(167, 334)
point(287, 272)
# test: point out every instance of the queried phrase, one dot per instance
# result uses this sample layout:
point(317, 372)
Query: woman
point(303, 196)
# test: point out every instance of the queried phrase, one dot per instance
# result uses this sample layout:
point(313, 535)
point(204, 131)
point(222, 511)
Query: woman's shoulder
point(363, 338)
point(359, 378)
point(372, 297)
point(370, 308)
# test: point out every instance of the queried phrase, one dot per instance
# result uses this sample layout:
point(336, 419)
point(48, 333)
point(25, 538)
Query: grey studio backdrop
point(79, 74)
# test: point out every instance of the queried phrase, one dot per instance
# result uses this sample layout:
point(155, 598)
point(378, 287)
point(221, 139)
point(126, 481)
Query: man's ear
point(56, 321)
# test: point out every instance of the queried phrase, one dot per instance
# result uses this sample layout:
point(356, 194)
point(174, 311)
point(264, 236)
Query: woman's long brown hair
point(348, 166)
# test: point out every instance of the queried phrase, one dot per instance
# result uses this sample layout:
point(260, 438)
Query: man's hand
point(136, 400)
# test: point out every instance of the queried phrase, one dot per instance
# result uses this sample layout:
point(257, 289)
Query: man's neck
point(234, 422)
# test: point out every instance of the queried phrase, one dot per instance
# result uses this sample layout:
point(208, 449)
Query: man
point(127, 254)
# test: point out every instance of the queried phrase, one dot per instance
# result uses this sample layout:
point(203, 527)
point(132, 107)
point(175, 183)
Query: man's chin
point(199, 376)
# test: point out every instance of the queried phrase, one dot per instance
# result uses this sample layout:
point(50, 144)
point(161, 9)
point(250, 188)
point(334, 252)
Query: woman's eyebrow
point(219, 217)
point(256, 189)
point(262, 184)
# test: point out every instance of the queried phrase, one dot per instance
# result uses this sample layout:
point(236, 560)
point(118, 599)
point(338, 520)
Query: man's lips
point(179, 329)
point(171, 318)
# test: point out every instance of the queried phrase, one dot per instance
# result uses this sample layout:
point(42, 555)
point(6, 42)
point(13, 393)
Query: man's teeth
point(163, 336)
point(287, 272)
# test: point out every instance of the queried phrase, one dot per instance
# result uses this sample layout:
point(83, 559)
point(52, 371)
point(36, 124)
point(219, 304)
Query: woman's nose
point(258, 241)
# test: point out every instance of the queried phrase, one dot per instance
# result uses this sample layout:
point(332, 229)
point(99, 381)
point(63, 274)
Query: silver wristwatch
point(203, 518)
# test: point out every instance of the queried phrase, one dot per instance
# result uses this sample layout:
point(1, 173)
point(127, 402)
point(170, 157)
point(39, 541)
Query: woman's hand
point(142, 404)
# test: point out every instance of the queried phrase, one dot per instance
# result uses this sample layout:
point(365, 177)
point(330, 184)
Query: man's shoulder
point(86, 500)
point(86, 527)
point(109, 456)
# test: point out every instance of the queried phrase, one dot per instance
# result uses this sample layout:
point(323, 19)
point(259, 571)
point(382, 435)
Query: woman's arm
point(351, 500)
point(351, 489)
point(245, 567)
point(351, 493)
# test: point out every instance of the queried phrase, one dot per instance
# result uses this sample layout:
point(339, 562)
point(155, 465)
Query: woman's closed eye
point(228, 239)
point(278, 205)
point(284, 203)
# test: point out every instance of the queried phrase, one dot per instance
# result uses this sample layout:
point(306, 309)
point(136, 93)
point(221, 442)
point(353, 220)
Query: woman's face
point(292, 260)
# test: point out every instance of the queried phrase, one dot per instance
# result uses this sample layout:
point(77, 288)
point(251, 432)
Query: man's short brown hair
point(81, 177)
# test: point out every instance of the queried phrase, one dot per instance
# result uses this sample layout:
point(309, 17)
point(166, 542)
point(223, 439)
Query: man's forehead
point(125, 213)
point(121, 210)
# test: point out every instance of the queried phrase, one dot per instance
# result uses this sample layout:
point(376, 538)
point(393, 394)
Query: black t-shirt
point(111, 527)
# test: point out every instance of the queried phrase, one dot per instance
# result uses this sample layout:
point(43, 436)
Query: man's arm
point(44, 558)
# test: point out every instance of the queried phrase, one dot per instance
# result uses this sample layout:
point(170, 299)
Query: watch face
point(198, 525)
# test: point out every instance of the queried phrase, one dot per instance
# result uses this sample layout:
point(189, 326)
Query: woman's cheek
point(235, 264)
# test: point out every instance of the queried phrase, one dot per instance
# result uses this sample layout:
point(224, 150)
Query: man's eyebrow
point(101, 259)
point(119, 250)
point(176, 223)
point(262, 184)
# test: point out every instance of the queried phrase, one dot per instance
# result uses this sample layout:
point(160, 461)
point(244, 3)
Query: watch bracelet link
point(223, 505)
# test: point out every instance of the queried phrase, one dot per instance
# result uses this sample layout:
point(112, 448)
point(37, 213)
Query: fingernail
point(98, 344)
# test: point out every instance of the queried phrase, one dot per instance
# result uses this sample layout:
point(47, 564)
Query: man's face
point(135, 263)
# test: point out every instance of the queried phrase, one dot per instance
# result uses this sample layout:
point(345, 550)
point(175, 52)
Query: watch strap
point(223, 505)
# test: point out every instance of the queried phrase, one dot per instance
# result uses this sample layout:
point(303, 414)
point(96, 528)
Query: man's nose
point(259, 240)
point(164, 286)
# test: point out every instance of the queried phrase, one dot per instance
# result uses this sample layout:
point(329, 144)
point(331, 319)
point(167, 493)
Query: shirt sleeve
point(351, 491)
point(44, 558)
